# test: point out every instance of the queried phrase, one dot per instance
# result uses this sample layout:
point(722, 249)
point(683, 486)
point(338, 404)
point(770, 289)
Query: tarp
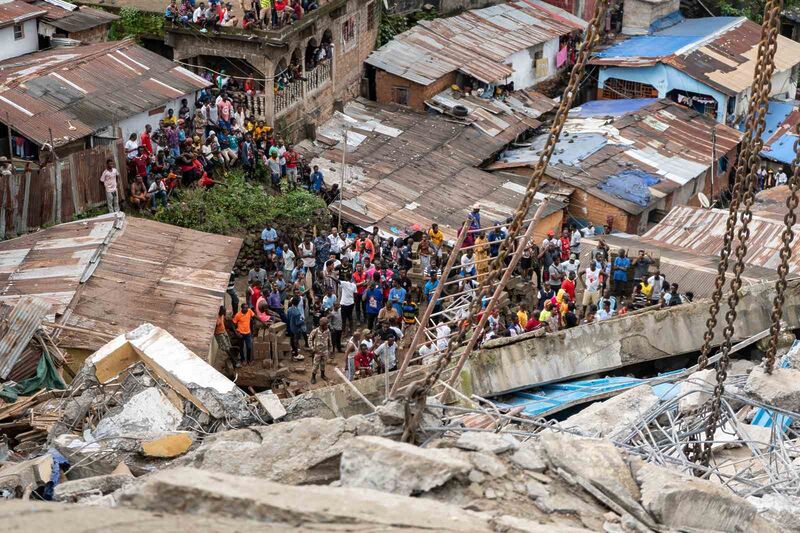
point(46, 378)
point(631, 185)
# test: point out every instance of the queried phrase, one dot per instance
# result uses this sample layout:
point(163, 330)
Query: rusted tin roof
point(75, 92)
point(406, 168)
point(477, 43)
point(81, 19)
point(17, 331)
point(18, 11)
point(719, 52)
point(605, 138)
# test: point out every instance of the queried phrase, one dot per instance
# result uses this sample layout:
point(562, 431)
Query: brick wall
point(92, 35)
point(417, 94)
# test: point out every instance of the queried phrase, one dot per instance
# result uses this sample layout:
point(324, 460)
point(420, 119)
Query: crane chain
point(417, 392)
point(786, 254)
point(745, 175)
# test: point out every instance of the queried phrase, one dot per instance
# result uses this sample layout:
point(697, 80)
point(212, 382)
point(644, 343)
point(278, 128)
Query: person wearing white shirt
point(657, 282)
point(426, 351)
point(575, 242)
point(131, 147)
point(605, 313)
point(347, 289)
point(782, 178)
point(573, 265)
point(442, 336)
point(468, 264)
point(588, 231)
point(387, 354)
point(335, 242)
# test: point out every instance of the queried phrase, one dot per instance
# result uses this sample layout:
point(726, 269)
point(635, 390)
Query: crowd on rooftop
point(257, 14)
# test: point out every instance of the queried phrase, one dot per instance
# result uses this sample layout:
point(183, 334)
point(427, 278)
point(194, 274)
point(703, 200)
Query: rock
point(602, 419)
point(392, 413)
point(535, 490)
point(305, 451)
point(514, 524)
point(271, 404)
point(489, 464)
point(697, 388)
point(396, 467)
point(529, 458)
point(739, 367)
point(169, 445)
point(205, 493)
point(307, 406)
point(683, 502)
point(485, 441)
point(72, 491)
point(147, 415)
point(87, 459)
point(782, 510)
point(780, 389)
point(476, 476)
point(16, 477)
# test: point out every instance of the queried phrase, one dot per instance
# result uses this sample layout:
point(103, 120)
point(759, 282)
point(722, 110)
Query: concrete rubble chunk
point(697, 389)
point(307, 406)
point(514, 524)
point(73, 491)
point(488, 463)
point(688, 503)
point(484, 441)
point(382, 464)
point(602, 419)
point(33, 472)
point(271, 404)
point(392, 413)
point(205, 493)
point(529, 458)
point(146, 415)
point(780, 389)
point(782, 510)
point(305, 451)
point(167, 446)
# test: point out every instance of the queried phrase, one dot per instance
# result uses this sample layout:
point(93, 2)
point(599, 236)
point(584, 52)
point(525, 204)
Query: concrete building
point(510, 46)
point(346, 28)
point(706, 64)
point(628, 162)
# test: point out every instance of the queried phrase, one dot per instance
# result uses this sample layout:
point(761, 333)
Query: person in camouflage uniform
point(321, 346)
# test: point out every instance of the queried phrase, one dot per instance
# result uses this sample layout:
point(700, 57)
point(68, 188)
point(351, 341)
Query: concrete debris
point(17, 477)
point(80, 489)
point(487, 442)
point(603, 419)
point(684, 502)
point(307, 406)
point(145, 416)
point(780, 389)
point(513, 524)
point(214, 494)
point(399, 468)
point(529, 458)
point(271, 404)
point(696, 390)
point(782, 510)
point(167, 446)
point(392, 413)
point(305, 451)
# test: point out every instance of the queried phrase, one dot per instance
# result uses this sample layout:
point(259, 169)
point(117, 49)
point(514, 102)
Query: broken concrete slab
point(780, 509)
point(214, 494)
point(146, 415)
point(271, 404)
point(780, 389)
point(307, 406)
point(392, 413)
point(16, 477)
point(485, 441)
point(696, 390)
point(606, 418)
point(514, 524)
point(684, 502)
point(529, 457)
point(305, 451)
point(167, 446)
point(73, 491)
point(382, 464)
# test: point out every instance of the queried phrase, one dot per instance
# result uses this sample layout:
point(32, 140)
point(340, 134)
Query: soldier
point(322, 347)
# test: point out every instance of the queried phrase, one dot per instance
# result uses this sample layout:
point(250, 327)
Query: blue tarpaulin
point(631, 185)
point(610, 108)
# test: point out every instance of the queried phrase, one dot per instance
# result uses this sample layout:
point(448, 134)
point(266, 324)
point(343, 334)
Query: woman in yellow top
point(481, 256)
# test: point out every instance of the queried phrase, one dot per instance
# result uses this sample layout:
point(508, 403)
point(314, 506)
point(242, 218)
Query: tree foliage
point(237, 205)
point(135, 23)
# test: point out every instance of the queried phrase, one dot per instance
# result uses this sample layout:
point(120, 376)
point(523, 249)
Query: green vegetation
point(92, 212)
point(135, 23)
point(392, 25)
point(236, 205)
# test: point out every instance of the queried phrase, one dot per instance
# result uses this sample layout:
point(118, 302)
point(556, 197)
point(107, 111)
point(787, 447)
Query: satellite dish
point(704, 200)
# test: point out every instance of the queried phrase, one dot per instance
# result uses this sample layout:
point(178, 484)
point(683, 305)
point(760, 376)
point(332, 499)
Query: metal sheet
point(21, 324)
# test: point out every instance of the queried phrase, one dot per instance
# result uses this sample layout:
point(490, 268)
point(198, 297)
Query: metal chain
point(745, 175)
point(417, 392)
point(786, 254)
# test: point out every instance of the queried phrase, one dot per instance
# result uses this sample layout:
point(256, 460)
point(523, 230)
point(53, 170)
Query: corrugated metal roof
point(604, 138)
point(18, 11)
point(476, 42)
point(19, 327)
point(81, 19)
point(780, 132)
point(406, 168)
point(717, 51)
point(77, 91)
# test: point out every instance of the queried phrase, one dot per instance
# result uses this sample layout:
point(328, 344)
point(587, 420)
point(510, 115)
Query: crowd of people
point(199, 145)
point(260, 14)
point(370, 289)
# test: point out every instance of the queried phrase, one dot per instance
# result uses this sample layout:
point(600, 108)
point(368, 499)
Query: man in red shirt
point(569, 286)
point(291, 157)
point(566, 242)
point(147, 143)
point(369, 247)
point(362, 280)
point(363, 361)
point(140, 163)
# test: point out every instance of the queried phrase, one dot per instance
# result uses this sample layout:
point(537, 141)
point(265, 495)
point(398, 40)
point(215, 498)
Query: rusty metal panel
point(18, 11)
point(22, 323)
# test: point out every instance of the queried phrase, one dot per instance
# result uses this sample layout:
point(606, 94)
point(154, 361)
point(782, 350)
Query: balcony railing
point(317, 76)
point(290, 95)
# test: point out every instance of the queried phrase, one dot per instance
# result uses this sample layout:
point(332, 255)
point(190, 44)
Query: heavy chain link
point(786, 254)
point(417, 392)
point(747, 165)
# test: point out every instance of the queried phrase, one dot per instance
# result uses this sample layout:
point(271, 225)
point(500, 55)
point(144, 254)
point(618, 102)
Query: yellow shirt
point(544, 315)
point(437, 237)
point(522, 318)
point(647, 289)
point(171, 120)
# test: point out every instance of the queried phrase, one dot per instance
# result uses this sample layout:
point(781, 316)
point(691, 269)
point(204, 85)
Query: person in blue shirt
point(430, 288)
point(270, 237)
point(397, 295)
point(296, 325)
point(495, 236)
point(315, 180)
point(619, 273)
point(374, 301)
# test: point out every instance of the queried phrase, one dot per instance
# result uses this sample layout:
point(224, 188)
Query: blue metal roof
point(632, 185)
point(781, 149)
point(668, 41)
point(610, 108)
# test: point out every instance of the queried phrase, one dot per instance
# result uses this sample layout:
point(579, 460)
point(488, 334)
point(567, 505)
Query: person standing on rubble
point(243, 320)
point(109, 179)
point(221, 334)
point(322, 348)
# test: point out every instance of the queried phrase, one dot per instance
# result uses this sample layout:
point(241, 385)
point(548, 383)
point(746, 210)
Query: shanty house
point(706, 64)
point(18, 28)
point(630, 161)
point(69, 21)
point(515, 46)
